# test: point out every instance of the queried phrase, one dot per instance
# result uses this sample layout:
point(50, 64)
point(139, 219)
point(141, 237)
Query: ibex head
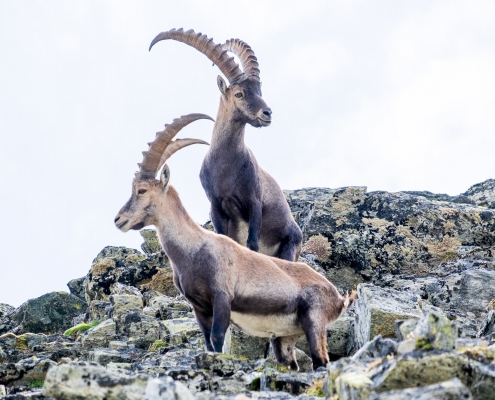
point(242, 98)
point(140, 210)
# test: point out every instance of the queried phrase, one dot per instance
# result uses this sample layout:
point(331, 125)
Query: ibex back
point(223, 281)
point(247, 204)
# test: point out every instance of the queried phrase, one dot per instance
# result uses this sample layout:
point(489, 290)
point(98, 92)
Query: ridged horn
point(213, 51)
point(163, 147)
point(249, 62)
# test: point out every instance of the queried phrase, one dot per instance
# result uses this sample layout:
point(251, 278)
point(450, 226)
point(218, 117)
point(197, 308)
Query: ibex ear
point(165, 175)
point(222, 85)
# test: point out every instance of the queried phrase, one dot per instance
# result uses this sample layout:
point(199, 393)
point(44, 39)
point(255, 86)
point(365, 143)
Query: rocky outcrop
point(422, 325)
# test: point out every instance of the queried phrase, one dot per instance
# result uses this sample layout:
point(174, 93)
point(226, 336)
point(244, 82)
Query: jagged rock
point(119, 288)
point(378, 233)
point(76, 287)
point(105, 356)
point(487, 326)
point(24, 372)
point(141, 329)
point(435, 331)
point(100, 335)
point(377, 309)
point(353, 385)
point(376, 348)
point(5, 310)
point(181, 330)
point(126, 266)
point(169, 307)
point(240, 344)
point(79, 382)
point(293, 383)
point(222, 364)
point(124, 304)
point(163, 282)
point(98, 311)
point(50, 313)
point(452, 389)
point(483, 194)
point(151, 242)
point(166, 389)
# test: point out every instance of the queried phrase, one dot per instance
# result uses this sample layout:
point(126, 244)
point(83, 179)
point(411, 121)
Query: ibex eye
point(238, 95)
point(141, 191)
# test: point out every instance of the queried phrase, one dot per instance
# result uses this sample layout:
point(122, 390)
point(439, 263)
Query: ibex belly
point(267, 325)
point(240, 235)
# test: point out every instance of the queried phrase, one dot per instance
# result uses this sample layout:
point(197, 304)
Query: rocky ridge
point(421, 327)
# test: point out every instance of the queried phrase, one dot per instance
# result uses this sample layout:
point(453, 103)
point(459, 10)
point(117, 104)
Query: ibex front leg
point(255, 214)
point(221, 320)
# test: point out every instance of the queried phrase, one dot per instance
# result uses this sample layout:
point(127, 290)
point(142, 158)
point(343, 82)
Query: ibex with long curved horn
point(246, 202)
point(224, 281)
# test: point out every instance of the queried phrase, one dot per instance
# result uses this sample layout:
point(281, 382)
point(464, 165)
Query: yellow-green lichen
point(80, 328)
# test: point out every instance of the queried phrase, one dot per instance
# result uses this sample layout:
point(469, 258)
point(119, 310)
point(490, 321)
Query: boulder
point(240, 344)
point(100, 335)
point(24, 372)
point(435, 331)
point(222, 364)
point(151, 242)
point(78, 382)
point(76, 287)
point(482, 194)
point(124, 304)
point(452, 389)
point(5, 310)
point(50, 313)
point(182, 330)
point(141, 329)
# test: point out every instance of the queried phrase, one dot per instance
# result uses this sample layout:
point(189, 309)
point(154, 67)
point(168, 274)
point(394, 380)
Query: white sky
point(385, 94)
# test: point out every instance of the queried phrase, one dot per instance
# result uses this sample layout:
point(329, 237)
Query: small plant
point(319, 246)
point(37, 383)
point(423, 344)
point(448, 256)
point(157, 345)
point(316, 390)
point(80, 328)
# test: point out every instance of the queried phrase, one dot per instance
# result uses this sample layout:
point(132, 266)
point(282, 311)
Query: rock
point(126, 266)
point(169, 307)
point(100, 335)
point(354, 385)
point(378, 233)
point(98, 311)
point(5, 310)
point(76, 287)
point(293, 383)
point(240, 344)
point(452, 389)
point(166, 389)
point(24, 372)
point(421, 369)
point(119, 288)
point(435, 331)
point(151, 242)
point(377, 309)
point(80, 382)
point(483, 194)
point(222, 364)
point(142, 330)
point(181, 330)
point(163, 282)
point(105, 356)
point(50, 313)
point(376, 348)
point(487, 326)
point(125, 303)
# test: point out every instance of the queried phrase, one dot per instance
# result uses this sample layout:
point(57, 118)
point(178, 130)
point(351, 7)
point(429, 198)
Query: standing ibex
point(222, 280)
point(246, 202)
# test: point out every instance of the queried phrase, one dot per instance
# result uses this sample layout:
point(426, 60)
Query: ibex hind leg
point(316, 335)
point(284, 349)
point(291, 245)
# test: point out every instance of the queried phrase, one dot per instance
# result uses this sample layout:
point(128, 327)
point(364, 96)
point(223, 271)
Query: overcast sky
point(385, 94)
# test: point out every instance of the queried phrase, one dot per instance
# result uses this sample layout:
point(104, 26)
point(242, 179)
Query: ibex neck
point(179, 235)
point(227, 133)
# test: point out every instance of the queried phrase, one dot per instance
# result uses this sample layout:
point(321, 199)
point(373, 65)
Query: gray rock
point(182, 330)
point(141, 329)
point(98, 311)
point(376, 348)
point(170, 307)
point(449, 390)
point(483, 194)
point(124, 304)
point(240, 344)
point(166, 389)
point(105, 356)
point(222, 364)
point(487, 326)
point(293, 383)
point(5, 310)
point(24, 372)
point(151, 242)
point(100, 335)
point(435, 331)
point(81, 382)
point(50, 313)
point(119, 288)
point(76, 287)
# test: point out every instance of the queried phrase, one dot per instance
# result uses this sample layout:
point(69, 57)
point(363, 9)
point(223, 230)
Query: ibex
point(247, 204)
point(224, 281)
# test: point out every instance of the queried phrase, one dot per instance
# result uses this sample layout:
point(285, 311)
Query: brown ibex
point(224, 281)
point(247, 204)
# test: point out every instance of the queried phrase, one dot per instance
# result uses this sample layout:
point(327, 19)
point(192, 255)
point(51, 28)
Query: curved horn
point(153, 157)
point(246, 55)
point(206, 46)
point(176, 145)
